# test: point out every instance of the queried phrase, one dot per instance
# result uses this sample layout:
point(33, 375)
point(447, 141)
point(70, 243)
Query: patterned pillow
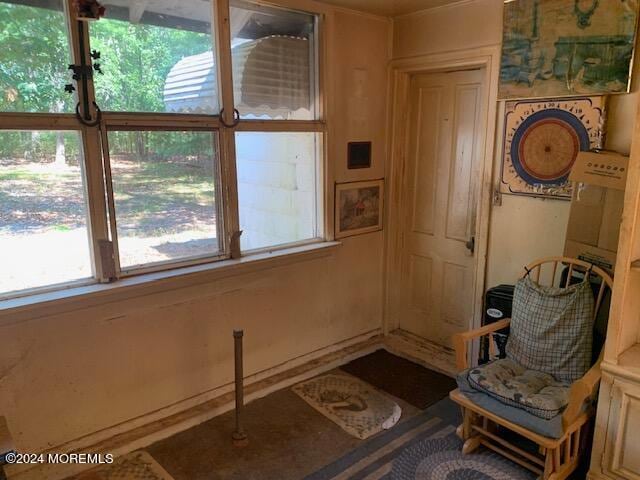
point(536, 392)
point(552, 329)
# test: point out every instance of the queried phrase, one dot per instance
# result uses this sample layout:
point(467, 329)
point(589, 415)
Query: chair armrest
point(460, 340)
point(581, 390)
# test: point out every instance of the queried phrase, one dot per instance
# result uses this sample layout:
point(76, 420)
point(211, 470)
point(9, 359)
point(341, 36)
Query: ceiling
point(389, 7)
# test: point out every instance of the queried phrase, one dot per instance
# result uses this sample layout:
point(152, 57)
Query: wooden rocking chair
point(556, 457)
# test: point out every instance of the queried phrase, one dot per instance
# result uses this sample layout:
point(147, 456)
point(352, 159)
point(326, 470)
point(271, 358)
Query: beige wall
point(466, 24)
point(521, 229)
point(69, 375)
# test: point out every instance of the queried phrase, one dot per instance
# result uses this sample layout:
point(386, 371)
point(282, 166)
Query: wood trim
point(111, 205)
point(519, 451)
point(309, 6)
point(399, 75)
point(97, 221)
point(596, 475)
point(581, 390)
point(625, 372)
point(537, 264)
point(613, 435)
point(39, 121)
point(160, 121)
point(312, 6)
point(281, 126)
point(506, 453)
point(421, 351)
point(460, 340)
point(328, 102)
point(623, 330)
point(484, 330)
point(428, 10)
point(231, 215)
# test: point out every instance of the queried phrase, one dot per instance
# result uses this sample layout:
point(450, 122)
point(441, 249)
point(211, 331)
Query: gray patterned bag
point(552, 329)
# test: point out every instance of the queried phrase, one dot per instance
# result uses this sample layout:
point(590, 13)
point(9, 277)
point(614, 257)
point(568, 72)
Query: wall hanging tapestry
point(357, 407)
point(358, 207)
point(542, 140)
point(553, 48)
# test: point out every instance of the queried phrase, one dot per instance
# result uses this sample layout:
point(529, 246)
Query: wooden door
point(440, 202)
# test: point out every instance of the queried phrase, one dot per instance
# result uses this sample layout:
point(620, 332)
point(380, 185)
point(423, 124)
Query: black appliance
point(497, 305)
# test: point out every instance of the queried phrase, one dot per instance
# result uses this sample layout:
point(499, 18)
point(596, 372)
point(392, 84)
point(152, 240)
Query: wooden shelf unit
point(616, 453)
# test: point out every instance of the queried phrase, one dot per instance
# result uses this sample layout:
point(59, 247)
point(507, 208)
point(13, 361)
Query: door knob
point(471, 244)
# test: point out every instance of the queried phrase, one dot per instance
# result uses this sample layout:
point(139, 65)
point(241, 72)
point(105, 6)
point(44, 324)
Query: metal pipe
point(239, 436)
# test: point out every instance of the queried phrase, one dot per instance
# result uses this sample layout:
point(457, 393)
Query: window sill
point(70, 299)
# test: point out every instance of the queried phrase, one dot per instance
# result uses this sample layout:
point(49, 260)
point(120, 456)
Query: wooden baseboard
point(142, 432)
point(421, 351)
point(596, 475)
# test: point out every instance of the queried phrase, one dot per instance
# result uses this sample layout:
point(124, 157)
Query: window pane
point(165, 190)
point(277, 187)
point(273, 52)
point(35, 57)
point(43, 222)
point(156, 57)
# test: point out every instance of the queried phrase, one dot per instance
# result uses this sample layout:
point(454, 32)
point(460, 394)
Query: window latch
point(236, 119)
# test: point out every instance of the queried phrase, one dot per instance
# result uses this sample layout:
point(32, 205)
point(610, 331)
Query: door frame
point(400, 73)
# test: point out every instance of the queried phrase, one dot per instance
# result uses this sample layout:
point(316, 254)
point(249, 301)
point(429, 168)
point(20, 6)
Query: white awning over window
point(272, 78)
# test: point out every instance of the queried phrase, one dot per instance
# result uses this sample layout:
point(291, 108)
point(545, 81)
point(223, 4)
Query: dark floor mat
point(397, 376)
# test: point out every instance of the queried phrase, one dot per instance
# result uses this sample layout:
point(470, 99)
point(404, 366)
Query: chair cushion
point(551, 428)
point(535, 392)
point(552, 329)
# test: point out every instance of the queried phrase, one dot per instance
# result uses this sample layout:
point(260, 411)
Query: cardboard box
point(599, 180)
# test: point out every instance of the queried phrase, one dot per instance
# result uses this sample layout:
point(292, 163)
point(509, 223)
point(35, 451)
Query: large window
point(165, 189)
point(43, 222)
point(129, 166)
point(158, 57)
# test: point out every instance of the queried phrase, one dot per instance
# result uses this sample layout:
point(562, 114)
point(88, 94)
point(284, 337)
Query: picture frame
point(359, 207)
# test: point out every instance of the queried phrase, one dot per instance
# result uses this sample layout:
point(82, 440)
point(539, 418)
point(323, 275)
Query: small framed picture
point(359, 207)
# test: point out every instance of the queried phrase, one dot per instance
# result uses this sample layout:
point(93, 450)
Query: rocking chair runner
point(557, 457)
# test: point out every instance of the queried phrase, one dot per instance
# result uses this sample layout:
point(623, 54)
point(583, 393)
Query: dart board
point(542, 139)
